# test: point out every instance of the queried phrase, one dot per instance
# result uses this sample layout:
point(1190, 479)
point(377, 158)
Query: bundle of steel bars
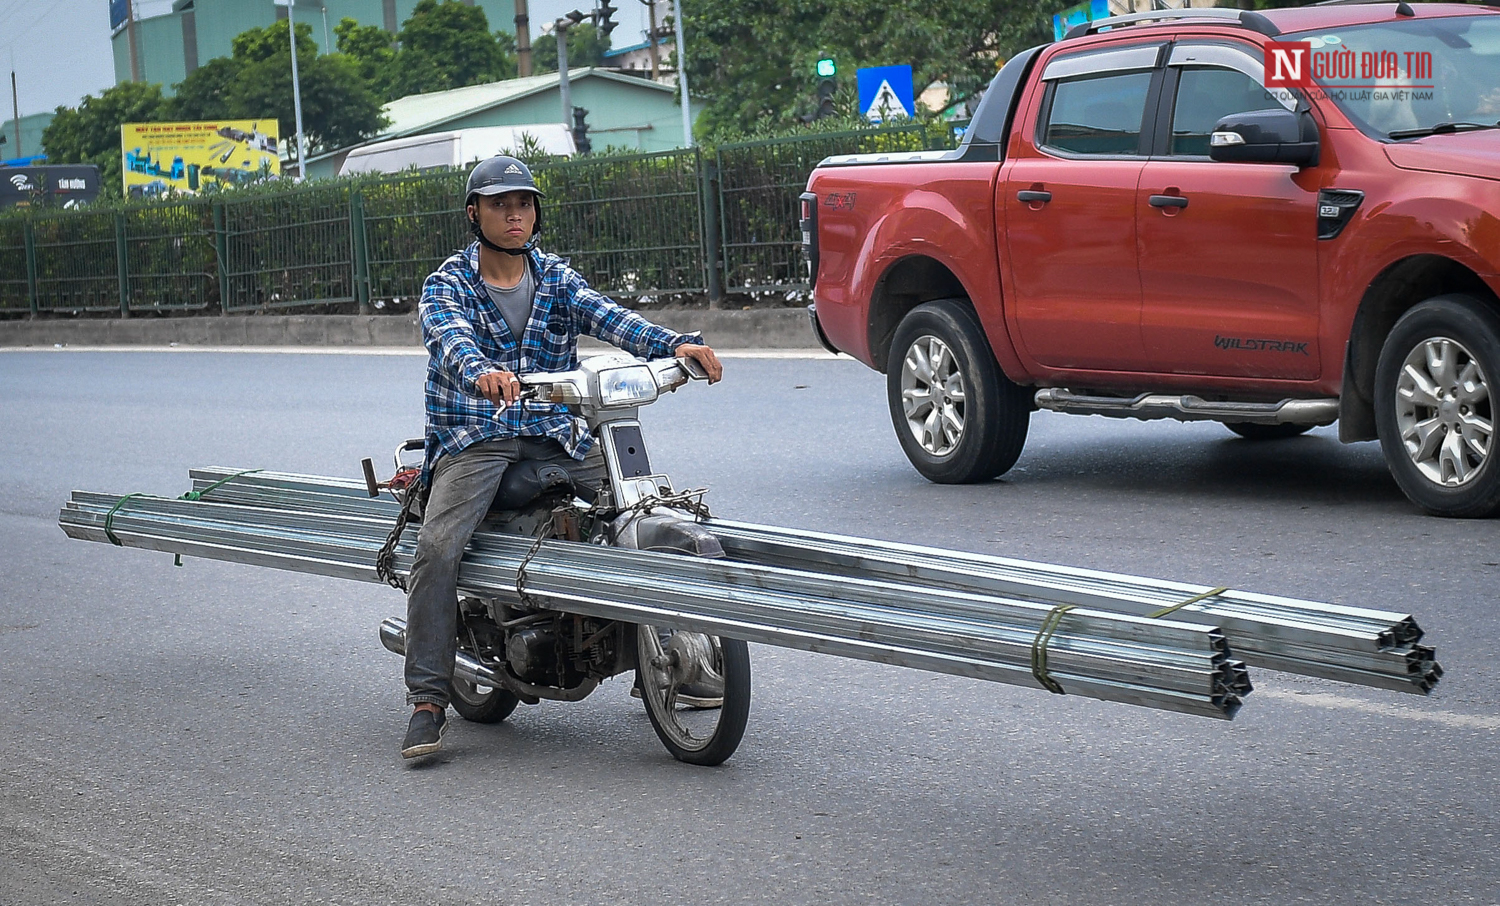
point(315, 526)
point(1349, 644)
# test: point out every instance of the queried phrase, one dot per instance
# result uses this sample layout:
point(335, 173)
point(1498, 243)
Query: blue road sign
point(885, 93)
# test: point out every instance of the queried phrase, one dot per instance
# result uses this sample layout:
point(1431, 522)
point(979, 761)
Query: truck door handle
point(1168, 201)
point(1031, 196)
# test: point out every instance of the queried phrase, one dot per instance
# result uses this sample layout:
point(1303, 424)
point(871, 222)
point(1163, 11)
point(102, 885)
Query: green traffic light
point(826, 68)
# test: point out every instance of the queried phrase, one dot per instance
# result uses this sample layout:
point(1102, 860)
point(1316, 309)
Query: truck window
point(1204, 96)
point(1097, 115)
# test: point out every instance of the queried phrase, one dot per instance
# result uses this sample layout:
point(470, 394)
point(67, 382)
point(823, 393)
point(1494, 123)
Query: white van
point(456, 148)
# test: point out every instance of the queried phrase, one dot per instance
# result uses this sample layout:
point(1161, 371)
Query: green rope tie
point(109, 518)
point(1193, 600)
point(1050, 622)
point(198, 495)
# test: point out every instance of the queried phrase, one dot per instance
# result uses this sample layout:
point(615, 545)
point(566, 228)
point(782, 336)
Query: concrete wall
point(779, 328)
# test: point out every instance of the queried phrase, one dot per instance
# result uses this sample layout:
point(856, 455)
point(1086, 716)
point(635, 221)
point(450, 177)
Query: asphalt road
point(225, 734)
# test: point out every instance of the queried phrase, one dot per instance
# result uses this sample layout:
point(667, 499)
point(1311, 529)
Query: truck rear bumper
point(812, 315)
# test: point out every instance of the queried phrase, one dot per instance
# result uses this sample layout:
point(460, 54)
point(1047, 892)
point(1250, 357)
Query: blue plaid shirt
point(467, 337)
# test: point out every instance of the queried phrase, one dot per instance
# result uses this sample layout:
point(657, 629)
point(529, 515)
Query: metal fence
point(170, 262)
point(633, 224)
point(15, 266)
point(77, 261)
point(674, 222)
point(289, 249)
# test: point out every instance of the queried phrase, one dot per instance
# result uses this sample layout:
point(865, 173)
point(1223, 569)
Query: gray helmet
point(498, 175)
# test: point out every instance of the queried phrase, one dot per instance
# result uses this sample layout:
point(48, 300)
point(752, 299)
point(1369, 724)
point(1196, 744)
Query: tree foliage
point(338, 106)
point(755, 61)
point(442, 45)
point(372, 49)
point(586, 47)
point(90, 133)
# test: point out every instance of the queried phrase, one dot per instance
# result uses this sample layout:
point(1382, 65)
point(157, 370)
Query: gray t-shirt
point(514, 303)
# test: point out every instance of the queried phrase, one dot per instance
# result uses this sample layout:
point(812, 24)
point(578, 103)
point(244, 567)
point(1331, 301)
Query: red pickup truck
point(1275, 220)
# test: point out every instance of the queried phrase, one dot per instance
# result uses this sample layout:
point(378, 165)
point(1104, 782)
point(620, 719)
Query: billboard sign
point(184, 158)
point(59, 186)
point(1087, 11)
point(119, 11)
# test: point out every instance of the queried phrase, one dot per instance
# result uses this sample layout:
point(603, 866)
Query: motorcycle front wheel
point(671, 667)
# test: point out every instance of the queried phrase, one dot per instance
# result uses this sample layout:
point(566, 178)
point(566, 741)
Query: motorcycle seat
point(528, 480)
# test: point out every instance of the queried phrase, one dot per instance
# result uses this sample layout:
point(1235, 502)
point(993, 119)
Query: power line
point(46, 11)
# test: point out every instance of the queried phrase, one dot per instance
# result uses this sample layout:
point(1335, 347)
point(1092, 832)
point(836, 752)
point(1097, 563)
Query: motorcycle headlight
point(626, 386)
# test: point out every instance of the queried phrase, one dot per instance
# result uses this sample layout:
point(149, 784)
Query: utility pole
point(560, 30)
point(15, 104)
point(523, 39)
point(687, 104)
point(291, 27)
point(135, 65)
point(651, 38)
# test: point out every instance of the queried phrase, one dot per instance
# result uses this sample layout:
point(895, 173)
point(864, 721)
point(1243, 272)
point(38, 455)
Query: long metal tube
point(1188, 664)
point(1350, 644)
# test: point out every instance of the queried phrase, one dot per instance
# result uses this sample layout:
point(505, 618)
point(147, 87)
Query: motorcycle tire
point(488, 707)
point(701, 736)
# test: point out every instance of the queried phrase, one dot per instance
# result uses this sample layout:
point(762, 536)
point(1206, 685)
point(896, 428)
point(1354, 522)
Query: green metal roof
point(419, 113)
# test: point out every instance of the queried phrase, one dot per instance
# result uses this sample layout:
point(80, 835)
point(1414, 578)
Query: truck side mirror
point(1266, 136)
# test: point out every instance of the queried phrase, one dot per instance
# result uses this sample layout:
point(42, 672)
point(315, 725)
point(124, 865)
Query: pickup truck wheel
point(1433, 406)
point(958, 417)
point(1251, 431)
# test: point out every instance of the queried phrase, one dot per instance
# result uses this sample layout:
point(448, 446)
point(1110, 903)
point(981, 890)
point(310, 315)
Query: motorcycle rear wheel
point(481, 704)
point(702, 736)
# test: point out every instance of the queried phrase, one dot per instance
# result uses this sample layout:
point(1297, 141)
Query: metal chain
point(542, 532)
point(690, 501)
point(385, 561)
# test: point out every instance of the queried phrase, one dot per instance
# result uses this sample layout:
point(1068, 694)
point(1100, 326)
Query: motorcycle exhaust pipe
point(468, 668)
point(465, 666)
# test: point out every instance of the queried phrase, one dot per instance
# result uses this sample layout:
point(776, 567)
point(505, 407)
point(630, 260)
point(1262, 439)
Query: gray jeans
point(463, 486)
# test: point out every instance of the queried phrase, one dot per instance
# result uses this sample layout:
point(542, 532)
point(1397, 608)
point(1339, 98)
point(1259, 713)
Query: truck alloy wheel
point(932, 395)
point(958, 418)
point(1434, 411)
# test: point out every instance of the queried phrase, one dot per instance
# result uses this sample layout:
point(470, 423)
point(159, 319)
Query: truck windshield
point(1410, 77)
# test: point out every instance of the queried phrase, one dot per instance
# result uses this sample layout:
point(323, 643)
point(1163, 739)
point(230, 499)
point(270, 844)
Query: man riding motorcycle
point(495, 309)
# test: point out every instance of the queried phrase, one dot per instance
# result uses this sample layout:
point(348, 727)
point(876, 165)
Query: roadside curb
point(776, 328)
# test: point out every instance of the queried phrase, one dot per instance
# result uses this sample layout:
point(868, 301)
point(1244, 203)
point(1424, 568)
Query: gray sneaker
point(425, 734)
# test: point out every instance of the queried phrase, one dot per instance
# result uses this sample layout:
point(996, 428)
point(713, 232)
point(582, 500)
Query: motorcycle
point(695, 686)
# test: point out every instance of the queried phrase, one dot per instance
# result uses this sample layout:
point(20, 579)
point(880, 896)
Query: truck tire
point(1252, 431)
point(958, 417)
point(1434, 410)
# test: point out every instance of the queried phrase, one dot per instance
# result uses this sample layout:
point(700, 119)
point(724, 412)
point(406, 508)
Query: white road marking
point(1400, 712)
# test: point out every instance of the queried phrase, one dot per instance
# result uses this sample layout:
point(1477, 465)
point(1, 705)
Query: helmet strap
point(485, 240)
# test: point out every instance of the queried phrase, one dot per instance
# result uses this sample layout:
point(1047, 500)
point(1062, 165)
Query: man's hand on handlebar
point(705, 357)
point(499, 387)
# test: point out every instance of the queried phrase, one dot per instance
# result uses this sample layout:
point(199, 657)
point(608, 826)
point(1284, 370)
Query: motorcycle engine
point(532, 654)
